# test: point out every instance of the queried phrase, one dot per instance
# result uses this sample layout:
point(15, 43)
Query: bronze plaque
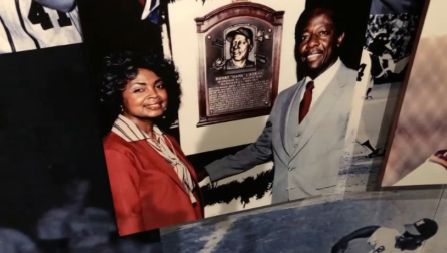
point(239, 47)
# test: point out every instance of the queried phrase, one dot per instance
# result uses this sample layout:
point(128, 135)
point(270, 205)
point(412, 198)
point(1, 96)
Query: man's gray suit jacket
point(311, 166)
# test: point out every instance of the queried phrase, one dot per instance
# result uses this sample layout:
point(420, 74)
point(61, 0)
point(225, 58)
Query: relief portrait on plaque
point(238, 51)
point(239, 62)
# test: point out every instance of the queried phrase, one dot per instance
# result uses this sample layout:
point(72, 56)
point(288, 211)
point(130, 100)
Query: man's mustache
point(312, 51)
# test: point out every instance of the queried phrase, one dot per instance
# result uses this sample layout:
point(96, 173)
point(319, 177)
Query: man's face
point(240, 47)
point(316, 47)
point(408, 241)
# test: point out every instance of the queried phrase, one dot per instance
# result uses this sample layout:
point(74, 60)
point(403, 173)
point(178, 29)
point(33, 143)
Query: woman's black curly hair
point(121, 67)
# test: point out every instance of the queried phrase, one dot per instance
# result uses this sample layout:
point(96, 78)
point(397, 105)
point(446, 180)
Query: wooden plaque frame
point(231, 93)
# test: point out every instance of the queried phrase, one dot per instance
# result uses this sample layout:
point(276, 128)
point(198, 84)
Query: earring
point(163, 116)
point(121, 108)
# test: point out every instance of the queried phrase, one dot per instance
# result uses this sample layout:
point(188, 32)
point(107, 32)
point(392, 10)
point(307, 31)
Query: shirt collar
point(129, 131)
point(322, 81)
point(327, 75)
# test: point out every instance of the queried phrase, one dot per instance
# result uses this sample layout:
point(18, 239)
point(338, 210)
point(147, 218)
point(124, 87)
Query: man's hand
point(202, 177)
point(201, 174)
point(204, 182)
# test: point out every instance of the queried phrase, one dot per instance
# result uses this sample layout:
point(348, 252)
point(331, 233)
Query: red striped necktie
point(306, 101)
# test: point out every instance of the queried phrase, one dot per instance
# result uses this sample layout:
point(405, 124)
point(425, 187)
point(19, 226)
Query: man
point(241, 43)
point(306, 150)
point(35, 24)
point(389, 240)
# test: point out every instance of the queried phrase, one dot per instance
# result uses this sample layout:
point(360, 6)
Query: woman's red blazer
point(146, 191)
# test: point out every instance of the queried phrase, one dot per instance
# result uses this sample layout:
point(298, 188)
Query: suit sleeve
point(124, 185)
point(254, 154)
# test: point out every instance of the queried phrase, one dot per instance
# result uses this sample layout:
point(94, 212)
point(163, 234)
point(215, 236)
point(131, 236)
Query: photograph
point(226, 120)
point(398, 221)
point(54, 186)
point(294, 150)
point(35, 24)
point(417, 152)
point(391, 36)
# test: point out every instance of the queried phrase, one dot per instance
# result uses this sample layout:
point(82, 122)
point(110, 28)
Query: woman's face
point(144, 97)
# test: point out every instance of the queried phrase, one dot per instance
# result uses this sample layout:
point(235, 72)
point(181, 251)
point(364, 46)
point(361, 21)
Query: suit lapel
point(286, 107)
point(319, 111)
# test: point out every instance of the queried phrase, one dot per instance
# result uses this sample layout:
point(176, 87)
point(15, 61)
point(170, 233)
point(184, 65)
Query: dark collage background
point(54, 188)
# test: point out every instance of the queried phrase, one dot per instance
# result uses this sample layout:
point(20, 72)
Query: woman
point(152, 183)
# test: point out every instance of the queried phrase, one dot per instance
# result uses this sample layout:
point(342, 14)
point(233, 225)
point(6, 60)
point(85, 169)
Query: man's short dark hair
point(316, 10)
